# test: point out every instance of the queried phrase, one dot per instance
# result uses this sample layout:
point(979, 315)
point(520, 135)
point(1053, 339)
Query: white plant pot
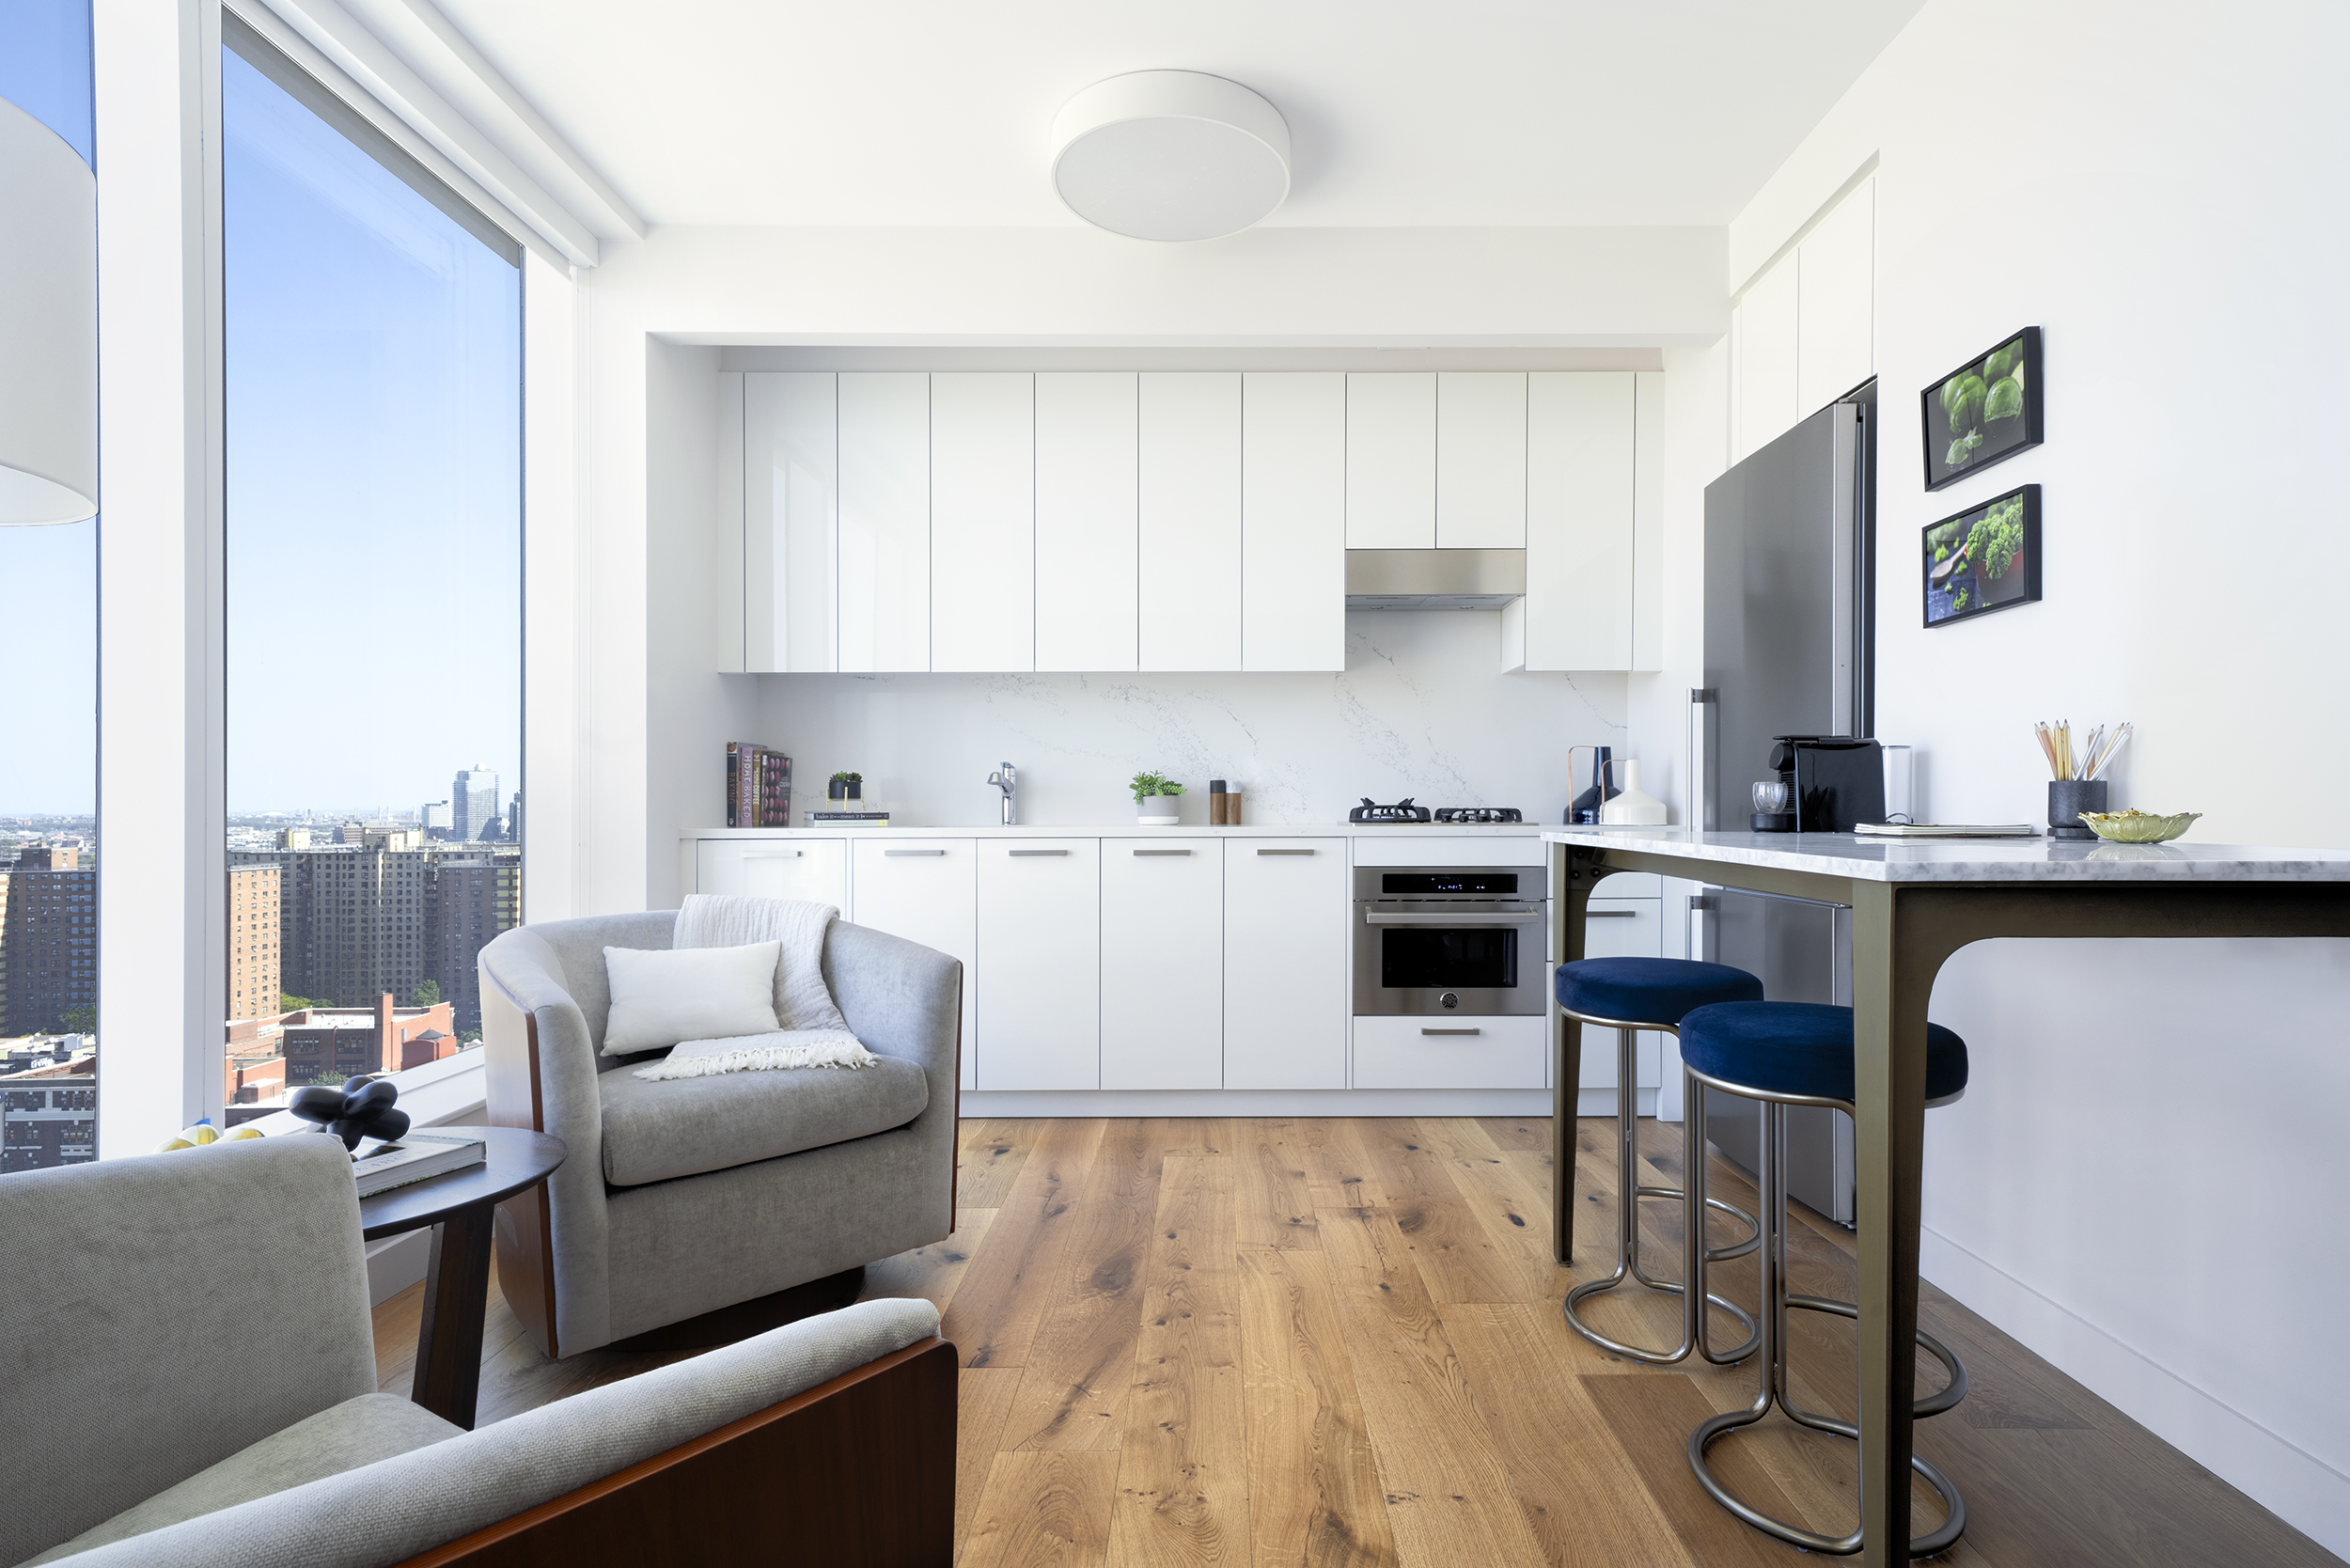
point(1158, 812)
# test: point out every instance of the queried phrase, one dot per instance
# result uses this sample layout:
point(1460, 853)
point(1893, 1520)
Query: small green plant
point(1995, 540)
point(1960, 603)
point(848, 778)
point(1145, 785)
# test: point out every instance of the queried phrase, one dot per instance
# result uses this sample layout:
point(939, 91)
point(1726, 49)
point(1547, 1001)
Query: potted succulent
point(846, 786)
point(1154, 799)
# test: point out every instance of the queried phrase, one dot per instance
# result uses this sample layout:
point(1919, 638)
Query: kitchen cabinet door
point(982, 521)
point(1088, 577)
point(1293, 519)
point(1285, 955)
point(884, 539)
point(791, 514)
point(926, 891)
point(1580, 520)
point(1769, 388)
point(726, 626)
point(1836, 302)
point(1391, 461)
point(1622, 928)
point(1162, 964)
point(814, 869)
point(1039, 964)
point(1480, 459)
point(1189, 482)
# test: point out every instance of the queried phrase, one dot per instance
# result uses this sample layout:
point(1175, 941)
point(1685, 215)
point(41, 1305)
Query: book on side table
point(415, 1157)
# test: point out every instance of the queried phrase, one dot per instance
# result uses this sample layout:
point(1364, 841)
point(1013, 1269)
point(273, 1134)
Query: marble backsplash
point(1421, 710)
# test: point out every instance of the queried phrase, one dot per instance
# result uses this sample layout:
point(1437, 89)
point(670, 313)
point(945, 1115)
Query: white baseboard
point(2291, 1483)
point(1288, 1102)
point(397, 1262)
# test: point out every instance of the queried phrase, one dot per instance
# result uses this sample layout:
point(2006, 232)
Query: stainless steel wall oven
point(1439, 941)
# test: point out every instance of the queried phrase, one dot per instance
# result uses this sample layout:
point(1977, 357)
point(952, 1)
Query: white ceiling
point(927, 113)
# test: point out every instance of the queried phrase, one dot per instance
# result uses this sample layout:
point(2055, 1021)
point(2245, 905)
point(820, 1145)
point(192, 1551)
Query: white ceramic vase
point(1632, 808)
point(1158, 812)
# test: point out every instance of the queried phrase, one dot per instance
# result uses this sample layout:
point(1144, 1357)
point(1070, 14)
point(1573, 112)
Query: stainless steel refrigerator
point(1789, 630)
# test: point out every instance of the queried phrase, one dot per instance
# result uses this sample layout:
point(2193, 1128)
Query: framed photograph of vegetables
point(1984, 412)
point(1985, 559)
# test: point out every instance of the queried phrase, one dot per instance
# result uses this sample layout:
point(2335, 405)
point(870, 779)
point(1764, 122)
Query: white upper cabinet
point(1836, 302)
point(1293, 530)
point(1088, 573)
point(791, 515)
point(1480, 459)
point(1391, 461)
point(1189, 486)
point(727, 623)
point(884, 570)
point(1769, 398)
point(1580, 520)
point(982, 521)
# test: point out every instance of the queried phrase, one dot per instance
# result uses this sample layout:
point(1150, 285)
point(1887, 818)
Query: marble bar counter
point(1907, 860)
point(1130, 829)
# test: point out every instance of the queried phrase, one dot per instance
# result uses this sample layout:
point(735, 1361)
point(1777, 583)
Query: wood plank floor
point(1338, 1342)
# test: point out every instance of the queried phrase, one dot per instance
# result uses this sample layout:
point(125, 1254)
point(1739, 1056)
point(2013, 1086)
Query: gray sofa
point(191, 1382)
point(684, 1196)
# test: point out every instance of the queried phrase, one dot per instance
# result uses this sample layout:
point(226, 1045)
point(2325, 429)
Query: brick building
point(48, 938)
point(479, 897)
point(49, 1115)
point(253, 941)
point(328, 1045)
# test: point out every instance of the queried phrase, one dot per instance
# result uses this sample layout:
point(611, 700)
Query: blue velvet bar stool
point(1786, 1054)
point(1628, 995)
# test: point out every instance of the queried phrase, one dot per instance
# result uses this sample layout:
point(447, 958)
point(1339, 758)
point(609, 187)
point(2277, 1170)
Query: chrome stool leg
point(1696, 1254)
point(1772, 1363)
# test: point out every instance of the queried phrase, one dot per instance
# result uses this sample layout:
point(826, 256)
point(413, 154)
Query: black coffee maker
point(1832, 782)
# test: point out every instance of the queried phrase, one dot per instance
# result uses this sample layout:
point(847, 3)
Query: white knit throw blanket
point(814, 1034)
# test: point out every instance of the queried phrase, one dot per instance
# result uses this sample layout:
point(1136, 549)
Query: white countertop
point(1848, 855)
point(1131, 830)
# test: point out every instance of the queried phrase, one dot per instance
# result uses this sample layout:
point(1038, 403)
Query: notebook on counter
point(1946, 830)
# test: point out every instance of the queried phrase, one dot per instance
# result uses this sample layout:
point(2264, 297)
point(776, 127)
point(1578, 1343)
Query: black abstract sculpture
point(361, 1108)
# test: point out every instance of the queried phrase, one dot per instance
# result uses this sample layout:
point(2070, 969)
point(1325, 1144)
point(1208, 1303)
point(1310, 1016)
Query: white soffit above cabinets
point(1514, 113)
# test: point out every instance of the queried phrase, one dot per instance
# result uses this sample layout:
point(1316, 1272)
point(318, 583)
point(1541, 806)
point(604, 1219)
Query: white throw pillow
point(661, 996)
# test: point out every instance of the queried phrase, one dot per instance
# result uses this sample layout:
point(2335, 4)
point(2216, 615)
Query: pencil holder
point(2067, 799)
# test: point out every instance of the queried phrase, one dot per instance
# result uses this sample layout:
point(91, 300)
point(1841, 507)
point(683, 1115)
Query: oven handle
point(1437, 918)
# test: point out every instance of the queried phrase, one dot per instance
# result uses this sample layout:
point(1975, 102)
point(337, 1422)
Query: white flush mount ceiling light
point(1170, 155)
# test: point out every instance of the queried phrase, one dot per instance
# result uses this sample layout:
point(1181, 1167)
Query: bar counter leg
point(456, 1300)
point(1889, 994)
point(1572, 874)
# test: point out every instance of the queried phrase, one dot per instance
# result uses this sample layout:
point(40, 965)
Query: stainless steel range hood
point(1433, 579)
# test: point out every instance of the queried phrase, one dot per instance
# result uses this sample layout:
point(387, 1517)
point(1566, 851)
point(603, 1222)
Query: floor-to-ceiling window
point(48, 694)
point(372, 337)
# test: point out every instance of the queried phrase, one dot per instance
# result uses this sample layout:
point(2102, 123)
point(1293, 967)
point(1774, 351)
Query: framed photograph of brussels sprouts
point(1985, 411)
point(1985, 559)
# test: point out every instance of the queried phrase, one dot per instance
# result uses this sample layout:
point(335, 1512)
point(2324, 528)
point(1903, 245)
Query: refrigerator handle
point(1701, 729)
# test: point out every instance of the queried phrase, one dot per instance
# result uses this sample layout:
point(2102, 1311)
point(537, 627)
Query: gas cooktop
point(1404, 813)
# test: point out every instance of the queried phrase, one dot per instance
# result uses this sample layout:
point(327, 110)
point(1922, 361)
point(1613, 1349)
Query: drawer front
point(816, 869)
point(1416, 1053)
point(1403, 847)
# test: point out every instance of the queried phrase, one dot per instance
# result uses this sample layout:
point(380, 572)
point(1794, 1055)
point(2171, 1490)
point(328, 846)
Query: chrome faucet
point(1006, 780)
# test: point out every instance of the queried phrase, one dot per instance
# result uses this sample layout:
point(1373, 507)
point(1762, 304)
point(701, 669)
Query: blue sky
point(373, 477)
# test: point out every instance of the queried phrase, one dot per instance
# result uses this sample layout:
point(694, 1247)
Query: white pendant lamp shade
point(47, 325)
point(1170, 155)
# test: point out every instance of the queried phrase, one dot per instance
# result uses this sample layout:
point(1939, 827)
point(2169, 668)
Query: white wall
point(1421, 710)
point(2137, 1182)
point(652, 723)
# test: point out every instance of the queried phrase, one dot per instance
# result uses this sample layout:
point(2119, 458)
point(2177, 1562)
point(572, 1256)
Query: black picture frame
point(1965, 594)
point(1945, 432)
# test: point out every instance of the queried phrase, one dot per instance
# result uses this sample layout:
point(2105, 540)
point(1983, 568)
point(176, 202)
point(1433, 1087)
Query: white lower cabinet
point(814, 869)
point(926, 892)
point(1038, 963)
point(1438, 1053)
point(1162, 964)
point(1622, 928)
point(1285, 954)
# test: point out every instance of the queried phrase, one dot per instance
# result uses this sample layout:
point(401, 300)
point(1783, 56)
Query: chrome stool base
point(1776, 1301)
point(1695, 1253)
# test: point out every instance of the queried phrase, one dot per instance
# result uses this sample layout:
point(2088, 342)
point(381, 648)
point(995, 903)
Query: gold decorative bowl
point(2137, 827)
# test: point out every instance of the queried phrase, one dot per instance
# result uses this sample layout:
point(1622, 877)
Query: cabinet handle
point(1162, 852)
point(777, 855)
point(913, 852)
point(1284, 852)
point(1611, 914)
point(1450, 1031)
point(1036, 852)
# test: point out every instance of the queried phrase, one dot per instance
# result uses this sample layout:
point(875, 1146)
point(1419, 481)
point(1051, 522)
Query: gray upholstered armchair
point(683, 1197)
point(191, 1382)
